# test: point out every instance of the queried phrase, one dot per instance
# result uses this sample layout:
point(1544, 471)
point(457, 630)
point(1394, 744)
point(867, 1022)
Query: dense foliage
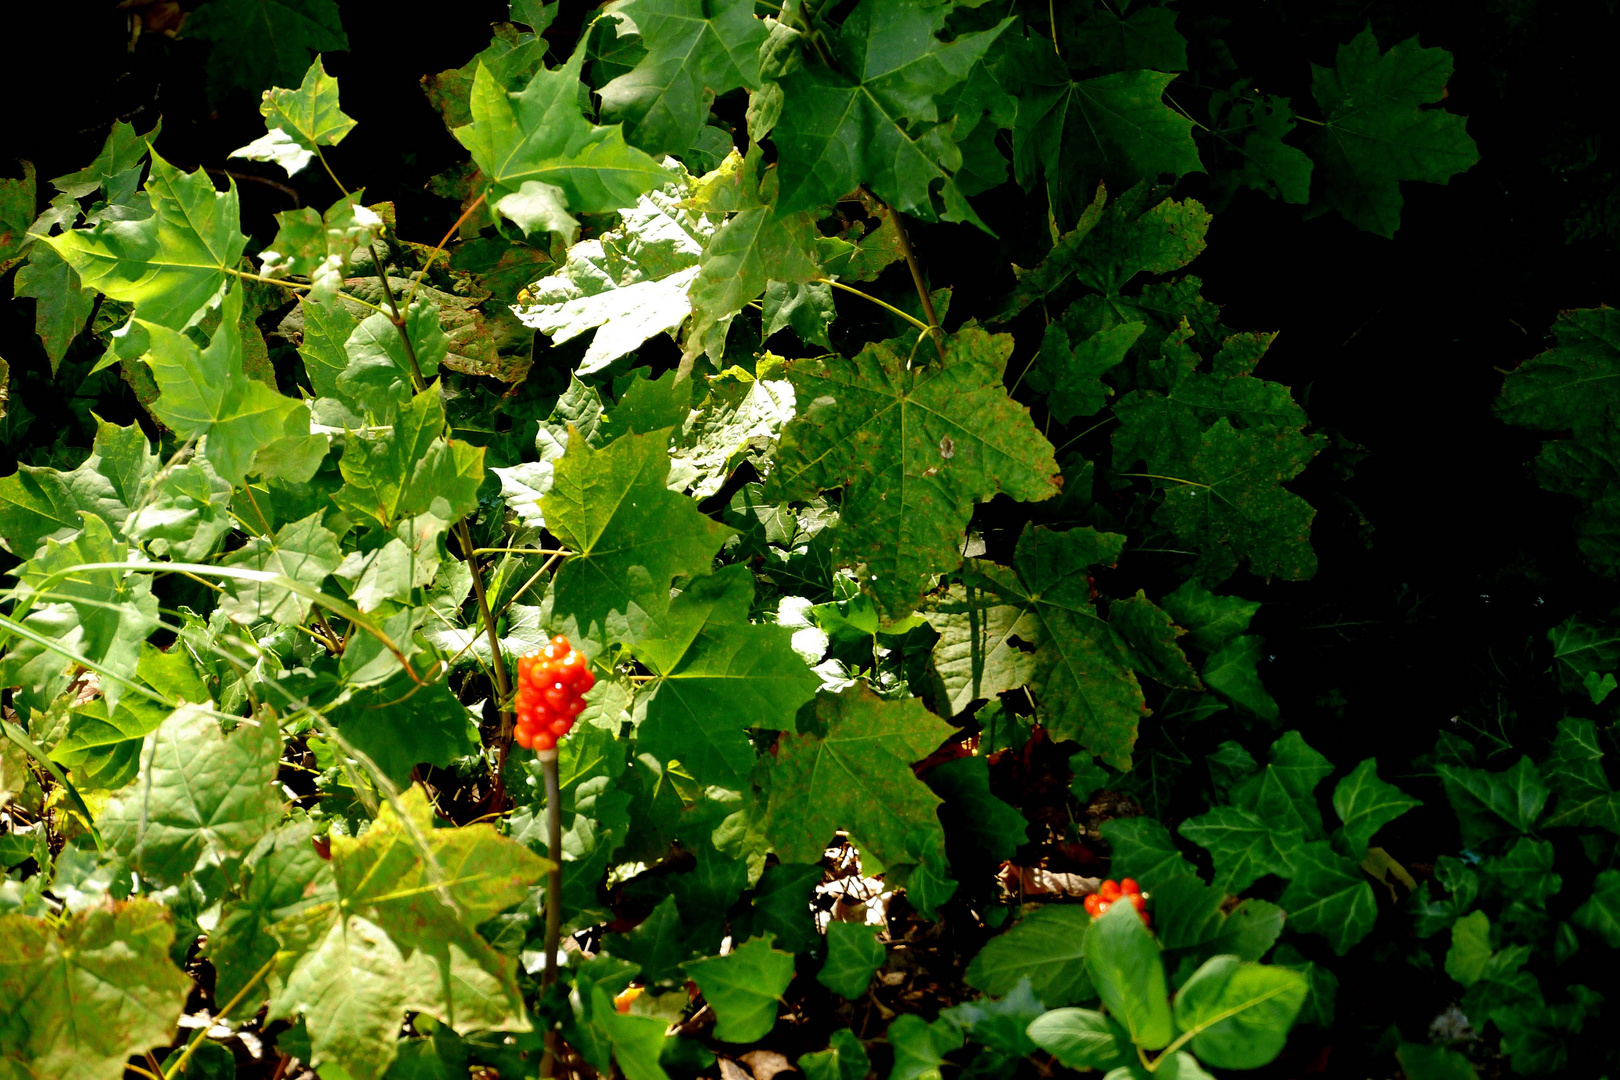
point(880, 626)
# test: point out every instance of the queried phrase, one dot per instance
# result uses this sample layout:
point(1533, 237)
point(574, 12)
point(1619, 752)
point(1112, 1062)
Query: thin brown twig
point(416, 282)
point(290, 192)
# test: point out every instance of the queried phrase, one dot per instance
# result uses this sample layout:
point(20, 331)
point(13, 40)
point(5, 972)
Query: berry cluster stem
point(548, 975)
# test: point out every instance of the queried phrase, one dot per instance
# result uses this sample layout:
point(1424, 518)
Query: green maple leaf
point(379, 373)
point(410, 560)
point(61, 306)
point(917, 447)
point(1255, 125)
point(1114, 128)
point(511, 56)
point(102, 616)
point(1377, 133)
point(400, 727)
point(200, 795)
point(102, 744)
point(739, 419)
point(1328, 894)
point(304, 551)
point(628, 284)
point(258, 44)
point(1152, 637)
point(122, 151)
point(1218, 445)
point(84, 995)
point(400, 934)
point(171, 265)
point(856, 777)
point(411, 469)
point(984, 647)
point(1210, 620)
point(1069, 373)
point(744, 988)
point(1106, 249)
point(1046, 947)
point(1081, 675)
point(185, 513)
point(761, 242)
point(717, 676)
point(1366, 804)
point(694, 51)
point(286, 875)
point(631, 536)
point(17, 199)
point(538, 137)
point(318, 246)
point(40, 502)
point(299, 122)
point(1146, 38)
point(874, 120)
point(205, 392)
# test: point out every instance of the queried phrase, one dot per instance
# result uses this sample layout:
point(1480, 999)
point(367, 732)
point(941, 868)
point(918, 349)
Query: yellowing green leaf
point(400, 935)
point(201, 794)
point(84, 996)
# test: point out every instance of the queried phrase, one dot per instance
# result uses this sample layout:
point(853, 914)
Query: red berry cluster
point(1110, 891)
point(552, 683)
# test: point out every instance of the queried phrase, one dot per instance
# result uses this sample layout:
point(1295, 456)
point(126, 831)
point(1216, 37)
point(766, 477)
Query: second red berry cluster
point(1111, 891)
point(552, 684)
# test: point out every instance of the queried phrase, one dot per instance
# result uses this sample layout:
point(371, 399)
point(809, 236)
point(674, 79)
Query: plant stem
point(548, 766)
point(416, 282)
point(548, 975)
point(916, 270)
point(913, 320)
point(196, 1039)
point(329, 171)
point(503, 684)
point(398, 320)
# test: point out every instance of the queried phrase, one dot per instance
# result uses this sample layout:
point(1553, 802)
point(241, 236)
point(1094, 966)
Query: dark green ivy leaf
point(1490, 804)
